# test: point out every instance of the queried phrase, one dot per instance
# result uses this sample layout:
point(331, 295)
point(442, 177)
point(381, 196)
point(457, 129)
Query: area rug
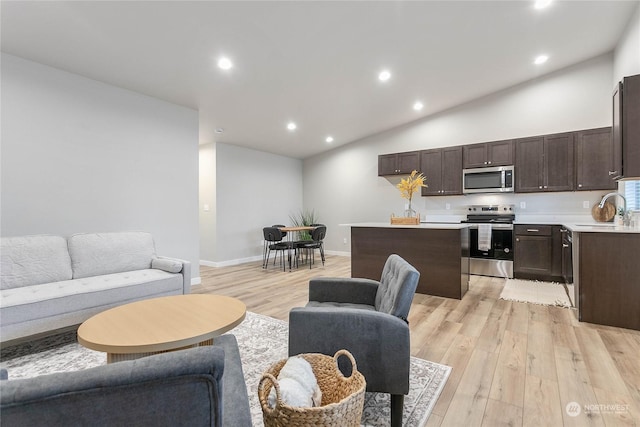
point(262, 341)
point(536, 292)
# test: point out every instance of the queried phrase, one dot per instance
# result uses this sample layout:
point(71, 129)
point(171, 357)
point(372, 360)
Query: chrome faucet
point(626, 218)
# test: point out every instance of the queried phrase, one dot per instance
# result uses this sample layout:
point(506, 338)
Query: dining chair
point(317, 242)
point(273, 242)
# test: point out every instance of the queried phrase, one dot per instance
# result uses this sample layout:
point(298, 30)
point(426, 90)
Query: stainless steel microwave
point(498, 179)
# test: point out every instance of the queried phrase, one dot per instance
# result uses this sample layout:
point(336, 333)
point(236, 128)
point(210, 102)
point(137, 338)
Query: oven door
point(498, 260)
point(501, 243)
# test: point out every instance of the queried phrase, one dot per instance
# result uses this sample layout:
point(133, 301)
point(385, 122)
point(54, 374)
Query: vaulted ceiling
point(312, 63)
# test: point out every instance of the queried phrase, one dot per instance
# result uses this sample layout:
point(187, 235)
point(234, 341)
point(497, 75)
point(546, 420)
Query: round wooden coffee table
point(162, 324)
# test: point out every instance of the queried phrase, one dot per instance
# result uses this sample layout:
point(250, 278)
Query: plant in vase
point(409, 186)
point(304, 218)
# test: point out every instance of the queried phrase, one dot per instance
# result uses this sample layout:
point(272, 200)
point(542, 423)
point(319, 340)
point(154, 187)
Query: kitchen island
point(440, 252)
point(606, 274)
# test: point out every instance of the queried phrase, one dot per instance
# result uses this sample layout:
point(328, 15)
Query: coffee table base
point(121, 357)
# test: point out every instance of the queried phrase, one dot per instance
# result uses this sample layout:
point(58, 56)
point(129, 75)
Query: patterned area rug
point(535, 292)
point(262, 341)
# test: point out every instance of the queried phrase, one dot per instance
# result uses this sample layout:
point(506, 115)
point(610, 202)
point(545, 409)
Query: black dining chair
point(273, 242)
point(317, 242)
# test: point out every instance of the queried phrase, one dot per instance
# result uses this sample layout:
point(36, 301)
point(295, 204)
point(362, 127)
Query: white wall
point(207, 200)
point(253, 189)
point(343, 186)
point(626, 59)
point(82, 156)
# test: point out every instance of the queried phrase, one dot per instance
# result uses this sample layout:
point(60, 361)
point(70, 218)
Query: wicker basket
point(342, 398)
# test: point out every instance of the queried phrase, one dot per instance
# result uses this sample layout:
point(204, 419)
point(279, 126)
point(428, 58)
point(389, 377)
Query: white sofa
point(49, 282)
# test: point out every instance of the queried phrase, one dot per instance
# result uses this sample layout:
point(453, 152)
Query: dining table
point(290, 230)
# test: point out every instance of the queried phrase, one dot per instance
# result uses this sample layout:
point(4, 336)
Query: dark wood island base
point(440, 254)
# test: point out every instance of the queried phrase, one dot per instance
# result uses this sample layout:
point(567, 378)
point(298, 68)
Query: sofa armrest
point(379, 342)
point(343, 290)
point(186, 273)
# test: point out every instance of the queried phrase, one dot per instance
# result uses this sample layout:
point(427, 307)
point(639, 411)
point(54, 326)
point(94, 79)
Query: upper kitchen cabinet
point(626, 129)
point(398, 163)
point(442, 168)
point(545, 163)
point(498, 153)
point(594, 159)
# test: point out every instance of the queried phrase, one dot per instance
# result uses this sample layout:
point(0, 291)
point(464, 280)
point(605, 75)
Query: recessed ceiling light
point(225, 63)
point(384, 76)
point(540, 59)
point(219, 130)
point(541, 4)
point(291, 126)
point(418, 106)
point(329, 139)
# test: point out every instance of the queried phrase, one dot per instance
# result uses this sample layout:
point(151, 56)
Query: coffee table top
point(160, 324)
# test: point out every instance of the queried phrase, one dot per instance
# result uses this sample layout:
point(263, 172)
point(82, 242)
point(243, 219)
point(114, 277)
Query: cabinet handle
point(546, 186)
point(532, 230)
point(564, 245)
point(612, 173)
point(517, 239)
point(563, 230)
point(489, 162)
point(540, 187)
point(579, 185)
point(485, 163)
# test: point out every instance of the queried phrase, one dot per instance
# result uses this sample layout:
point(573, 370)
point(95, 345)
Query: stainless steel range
point(491, 239)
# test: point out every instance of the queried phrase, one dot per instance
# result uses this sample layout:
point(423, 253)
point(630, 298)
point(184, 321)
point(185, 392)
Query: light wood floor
point(514, 364)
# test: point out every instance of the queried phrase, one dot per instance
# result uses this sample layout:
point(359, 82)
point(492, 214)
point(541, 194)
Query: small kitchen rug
point(535, 292)
point(262, 340)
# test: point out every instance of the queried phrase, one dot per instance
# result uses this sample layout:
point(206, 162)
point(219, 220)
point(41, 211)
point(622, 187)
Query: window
point(632, 194)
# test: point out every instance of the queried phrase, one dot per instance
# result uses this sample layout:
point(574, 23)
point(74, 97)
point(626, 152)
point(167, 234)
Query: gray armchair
point(369, 319)
point(201, 386)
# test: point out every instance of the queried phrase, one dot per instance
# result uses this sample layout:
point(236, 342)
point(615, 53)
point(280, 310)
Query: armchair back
point(397, 287)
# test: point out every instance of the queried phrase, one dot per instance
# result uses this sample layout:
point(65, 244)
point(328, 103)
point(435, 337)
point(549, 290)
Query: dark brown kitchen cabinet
point(606, 277)
point(398, 163)
point(497, 153)
point(538, 252)
point(545, 163)
point(626, 129)
point(594, 159)
point(442, 168)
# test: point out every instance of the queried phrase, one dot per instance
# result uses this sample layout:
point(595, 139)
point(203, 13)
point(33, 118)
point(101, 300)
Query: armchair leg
point(397, 402)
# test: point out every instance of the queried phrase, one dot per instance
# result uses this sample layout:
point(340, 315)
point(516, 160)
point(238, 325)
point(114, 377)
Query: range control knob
point(507, 250)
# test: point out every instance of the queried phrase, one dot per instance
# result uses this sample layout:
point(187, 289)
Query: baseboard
point(255, 258)
point(230, 262)
point(338, 253)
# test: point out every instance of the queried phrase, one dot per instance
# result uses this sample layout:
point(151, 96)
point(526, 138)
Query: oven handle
point(474, 226)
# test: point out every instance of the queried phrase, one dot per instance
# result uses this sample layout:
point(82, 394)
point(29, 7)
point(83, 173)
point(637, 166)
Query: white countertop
point(600, 227)
point(423, 225)
point(576, 227)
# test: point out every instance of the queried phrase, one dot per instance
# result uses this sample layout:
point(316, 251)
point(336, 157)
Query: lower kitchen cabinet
point(538, 252)
point(608, 279)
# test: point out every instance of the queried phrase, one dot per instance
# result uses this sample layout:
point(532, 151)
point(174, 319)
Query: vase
point(409, 212)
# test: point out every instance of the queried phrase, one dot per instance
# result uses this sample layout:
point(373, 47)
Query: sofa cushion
point(93, 254)
point(32, 260)
point(52, 299)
